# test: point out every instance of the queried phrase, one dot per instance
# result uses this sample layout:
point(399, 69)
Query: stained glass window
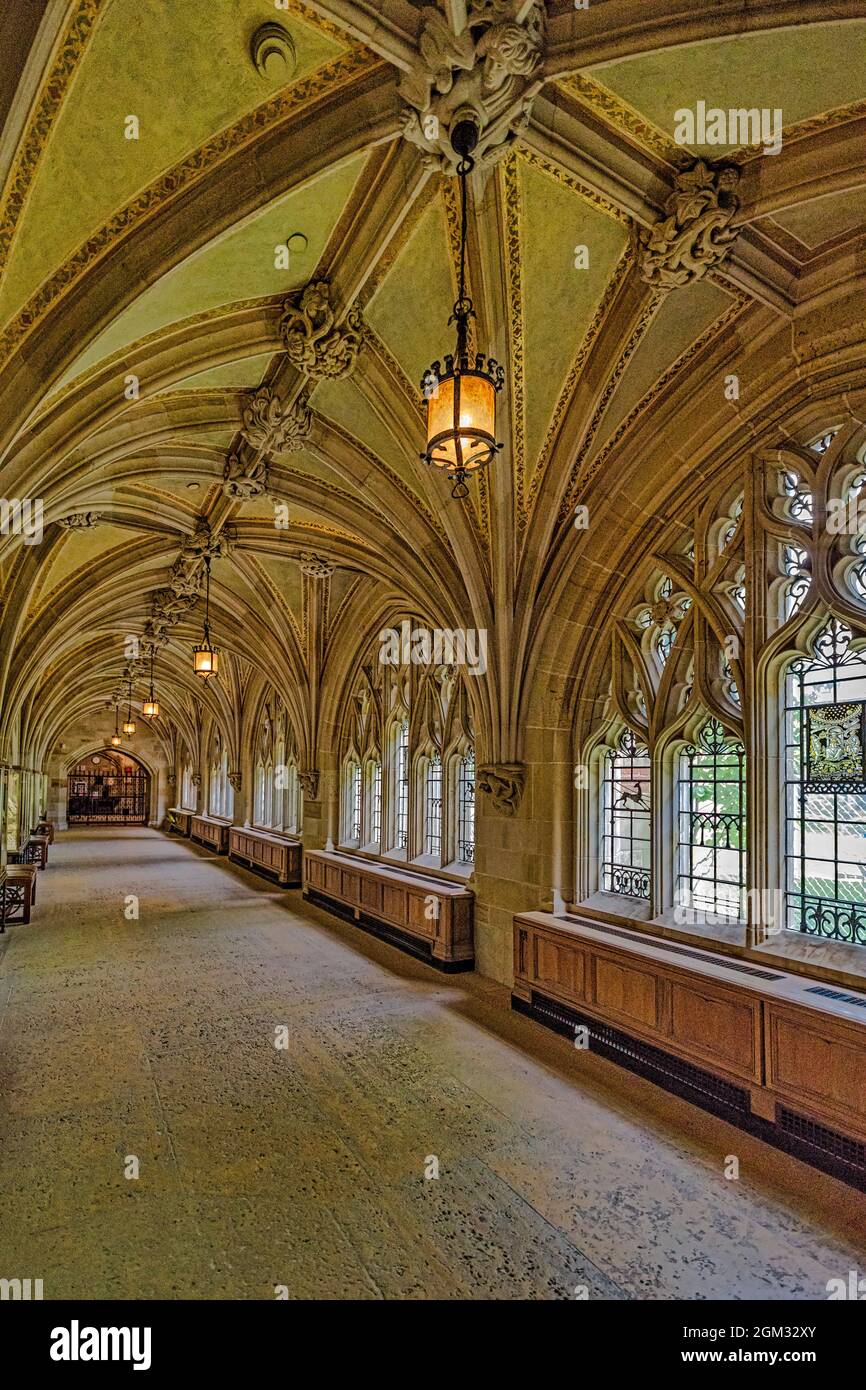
point(826, 790)
point(712, 824)
point(626, 819)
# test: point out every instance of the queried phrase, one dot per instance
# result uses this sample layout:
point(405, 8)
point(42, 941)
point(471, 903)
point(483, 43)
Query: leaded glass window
point(375, 803)
point(711, 871)
point(466, 809)
point(626, 817)
point(353, 801)
point(401, 826)
point(826, 790)
point(433, 806)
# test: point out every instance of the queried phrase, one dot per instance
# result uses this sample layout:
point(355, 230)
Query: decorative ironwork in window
point(402, 780)
point(466, 808)
point(730, 685)
point(797, 496)
point(795, 562)
point(712, 824)
point(626, 819)
point(825, 792)
point(822, 444)
point(433, 806)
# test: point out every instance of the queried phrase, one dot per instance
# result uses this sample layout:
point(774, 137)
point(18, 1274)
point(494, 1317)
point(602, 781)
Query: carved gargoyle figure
point(79, 521)
point(697, 233)
point(491, 68)
point(504, 784)
point(243, 480)
point(270, 428)
point(314, 342)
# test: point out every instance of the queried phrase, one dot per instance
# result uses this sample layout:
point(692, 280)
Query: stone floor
point(560, 1176)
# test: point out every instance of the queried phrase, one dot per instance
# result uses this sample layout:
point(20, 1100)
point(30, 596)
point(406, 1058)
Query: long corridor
point(148, 1045)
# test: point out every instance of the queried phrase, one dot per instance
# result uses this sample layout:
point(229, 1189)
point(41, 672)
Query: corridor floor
point(309, 1168)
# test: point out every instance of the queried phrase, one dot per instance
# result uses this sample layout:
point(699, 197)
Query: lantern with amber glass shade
point(116, 740)
point(205, 658)
point(461, 398)
point(129, 722)
point(150, 708)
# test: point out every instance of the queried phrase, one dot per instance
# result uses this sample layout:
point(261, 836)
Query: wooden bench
point(272, 855)
point(428, 917)
point(179, 821)
point(45, 827)
point(17, 893)
point(213, 834)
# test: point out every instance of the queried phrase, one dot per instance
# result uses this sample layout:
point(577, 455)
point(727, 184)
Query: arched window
point(711, 871)
point(825, 795)
point(626, 819)
point(259, 795)
point(287, 787)
point(353, 800)
point(433, 806)
point(374, 802)
point(401, 786)
point(221, 797)
point(187, 790)
point(466, 808)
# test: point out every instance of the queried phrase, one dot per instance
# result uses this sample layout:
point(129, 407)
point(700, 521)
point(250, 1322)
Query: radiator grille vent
point(826, 1141)
point(857, 999)
point(683, 1078)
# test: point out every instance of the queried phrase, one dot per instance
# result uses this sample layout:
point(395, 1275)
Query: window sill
point(396, 859)
point(835, 962)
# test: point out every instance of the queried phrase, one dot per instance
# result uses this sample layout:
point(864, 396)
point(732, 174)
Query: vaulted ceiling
point(175, 173)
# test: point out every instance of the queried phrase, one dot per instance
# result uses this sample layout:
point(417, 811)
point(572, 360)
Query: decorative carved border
point(569, 180)
point(634, 341)
point(269, 584)
point(51, 97)
point(167, 186)
point(625, 118)
point(629, 121)
point(621, 270)
point(514, 307)
point(717, 327)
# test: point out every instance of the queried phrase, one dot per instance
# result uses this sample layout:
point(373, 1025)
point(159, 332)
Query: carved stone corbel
point(315, 566)
point(697, 234)
point(270, 428)
point(309, 781)
point(504, 784)
point(79, 521)
point(235, 780)
point(491, 70)
point(244, 479)
point(315, 344)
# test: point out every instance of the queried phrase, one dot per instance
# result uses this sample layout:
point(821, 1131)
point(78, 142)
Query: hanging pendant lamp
point(150, 708)
point(205, 658)
point(461, 399)
point(116, 740)
point(129, 722)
